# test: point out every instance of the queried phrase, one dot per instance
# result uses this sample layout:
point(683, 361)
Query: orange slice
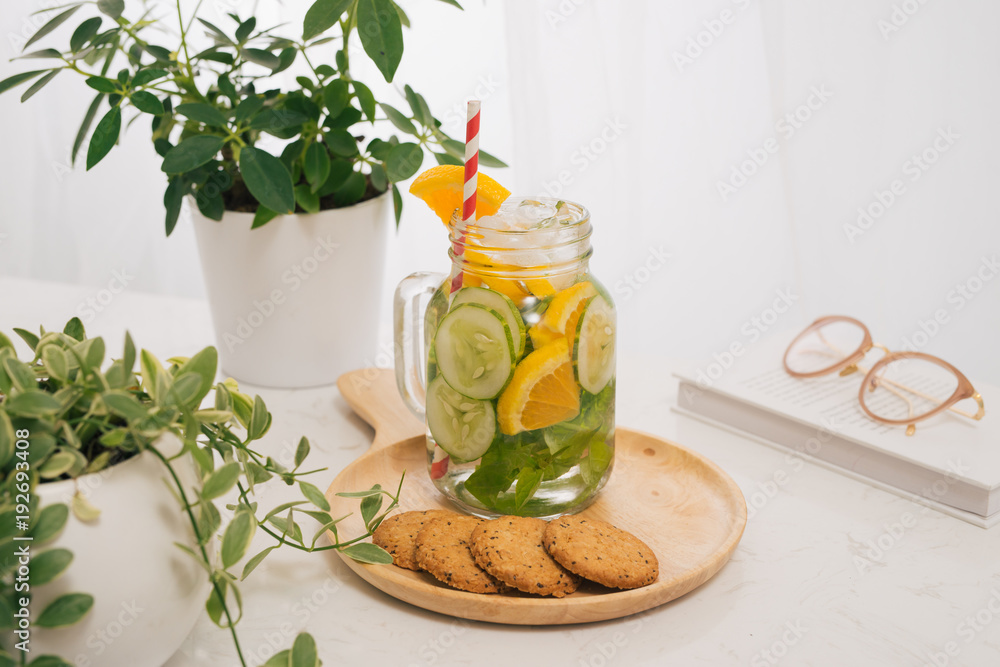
point(563, 313)
point(542, 391)
point(441, 187)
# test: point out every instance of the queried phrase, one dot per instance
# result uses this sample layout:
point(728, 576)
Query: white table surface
point(803, 587)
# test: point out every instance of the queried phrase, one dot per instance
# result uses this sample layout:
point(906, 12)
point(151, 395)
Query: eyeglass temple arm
point(977, 397)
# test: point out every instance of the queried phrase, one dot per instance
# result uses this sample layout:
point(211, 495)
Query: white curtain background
point(724, 147)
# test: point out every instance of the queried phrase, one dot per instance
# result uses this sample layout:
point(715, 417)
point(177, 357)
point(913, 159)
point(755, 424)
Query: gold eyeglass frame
point(851, 363)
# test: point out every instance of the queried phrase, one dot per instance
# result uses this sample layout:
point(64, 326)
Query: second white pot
point(295, 303)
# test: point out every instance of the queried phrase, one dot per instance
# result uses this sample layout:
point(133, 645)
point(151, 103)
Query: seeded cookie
point(598, 551)
point(510, 548)
point(398, 535)
point(443, 550)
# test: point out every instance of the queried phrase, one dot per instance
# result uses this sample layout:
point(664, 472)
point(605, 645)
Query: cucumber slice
point(475, 351)
point(500, 303)
point(594, 350)
point(464, 427)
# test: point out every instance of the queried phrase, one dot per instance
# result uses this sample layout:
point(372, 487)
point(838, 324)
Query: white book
point(951, 463)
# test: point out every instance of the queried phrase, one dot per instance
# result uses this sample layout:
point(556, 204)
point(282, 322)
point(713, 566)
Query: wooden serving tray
point(681, 504)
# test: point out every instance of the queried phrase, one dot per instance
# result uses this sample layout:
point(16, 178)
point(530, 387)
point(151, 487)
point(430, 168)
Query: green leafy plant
point(210, 107)
point(82, 419)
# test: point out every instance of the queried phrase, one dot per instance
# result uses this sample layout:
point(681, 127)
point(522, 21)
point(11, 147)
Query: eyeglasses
point(901, 388)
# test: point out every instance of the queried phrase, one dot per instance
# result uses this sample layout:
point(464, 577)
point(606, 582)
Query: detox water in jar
point(520, 376)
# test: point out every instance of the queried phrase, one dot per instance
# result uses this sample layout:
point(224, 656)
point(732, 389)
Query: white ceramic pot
point(148, 594)
point(295, 303)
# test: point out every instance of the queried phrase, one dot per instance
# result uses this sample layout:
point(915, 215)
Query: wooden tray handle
point(372, 394)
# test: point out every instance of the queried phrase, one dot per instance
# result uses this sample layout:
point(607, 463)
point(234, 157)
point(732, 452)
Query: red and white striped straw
point(471, 162)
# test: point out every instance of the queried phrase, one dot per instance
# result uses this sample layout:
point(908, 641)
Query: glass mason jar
point(510, 359)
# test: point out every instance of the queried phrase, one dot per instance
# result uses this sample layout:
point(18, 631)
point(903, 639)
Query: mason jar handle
point(410, 303)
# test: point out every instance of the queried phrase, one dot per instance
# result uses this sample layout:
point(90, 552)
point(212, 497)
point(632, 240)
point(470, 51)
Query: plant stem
point(201, 547)
point(187, 57)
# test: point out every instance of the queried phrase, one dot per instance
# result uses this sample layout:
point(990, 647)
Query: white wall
point(556, 75)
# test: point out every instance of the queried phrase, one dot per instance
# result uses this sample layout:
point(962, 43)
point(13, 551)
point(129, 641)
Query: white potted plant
point(114, 485)
point(295, 301)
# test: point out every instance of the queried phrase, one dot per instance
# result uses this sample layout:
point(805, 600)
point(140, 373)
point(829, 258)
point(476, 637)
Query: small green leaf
point(47, 661)
point(397, 204)
point(279, 659)
point(43, 53)
point(374, 491)
point(366, 552)
point(38, 85)
point(202, 113)
point(404, 161)
point(144, 76)
point(267, 179)
point(252, 564)
point(28, 337)
point(112, 8)
point(7, 438)
point(528, 480)
point(248, 107)
point(487, 160)
point(191, 153)
point(83, 509)
point(148, 102)
point(315, 496)
point(336, 96)
point(351, 191)
point(56, 362)
point(370, 507)
point(173, 199)
point(65, 610)
point(220, 481)
point(365, 99)
point(105, 135)
point(303, 652)
point(56, 21)
point(378, 177)
point(419, 107)
point(275, 120)
point(32, 403)
point(12, 81)
point(48, 565)
point(245, 28)
point(322, 15)
point(262, 216)
point(381, 34)
point(236, 540)
point(101, 84)
point(341, 142)
point(317, 165)
point(50, 522)
point(74, 329)
point(306, 198)
point(84, 33)
point(397, 118)
point(262, 58)
point(301, 452)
